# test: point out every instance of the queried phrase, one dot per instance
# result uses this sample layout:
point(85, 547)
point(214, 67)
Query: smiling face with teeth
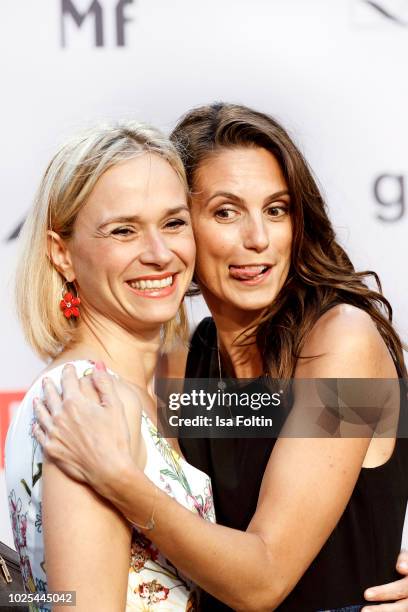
point(132, 249)
point(243, 230)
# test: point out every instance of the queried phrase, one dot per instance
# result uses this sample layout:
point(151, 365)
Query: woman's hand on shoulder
point(85, 431)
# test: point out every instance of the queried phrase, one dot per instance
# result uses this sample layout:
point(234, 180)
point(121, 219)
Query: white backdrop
point(334, 71)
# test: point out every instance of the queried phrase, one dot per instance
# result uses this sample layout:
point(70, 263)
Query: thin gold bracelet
point(150, 523)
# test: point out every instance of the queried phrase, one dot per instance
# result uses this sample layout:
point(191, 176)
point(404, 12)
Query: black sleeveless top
point(363, 548)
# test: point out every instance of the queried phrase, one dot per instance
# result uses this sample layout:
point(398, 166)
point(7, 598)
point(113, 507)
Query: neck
point(240, 353)
point(129, 353)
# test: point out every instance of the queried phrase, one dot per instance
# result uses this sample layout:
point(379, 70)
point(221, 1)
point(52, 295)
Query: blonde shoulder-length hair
point(64, 189)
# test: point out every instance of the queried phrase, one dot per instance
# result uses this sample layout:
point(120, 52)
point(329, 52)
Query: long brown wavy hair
point(321, 274)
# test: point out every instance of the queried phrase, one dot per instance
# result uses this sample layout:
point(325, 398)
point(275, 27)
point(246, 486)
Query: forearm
point(232, 565)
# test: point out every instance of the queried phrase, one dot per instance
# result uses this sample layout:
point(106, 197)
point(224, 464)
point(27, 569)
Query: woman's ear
point(60, 256)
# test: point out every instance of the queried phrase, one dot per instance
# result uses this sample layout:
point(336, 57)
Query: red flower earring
point(69, 304)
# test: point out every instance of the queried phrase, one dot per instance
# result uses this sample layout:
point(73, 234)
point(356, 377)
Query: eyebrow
point(138, 219)
point(233, 196)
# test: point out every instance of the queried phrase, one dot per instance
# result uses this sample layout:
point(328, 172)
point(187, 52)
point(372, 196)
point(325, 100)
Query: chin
point(252, 302)
point(157, 317)
point(254, 306)
point(164, 317)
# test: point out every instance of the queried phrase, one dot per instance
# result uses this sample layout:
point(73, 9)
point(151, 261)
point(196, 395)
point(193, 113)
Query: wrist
point(138, 507)
point(116, 478)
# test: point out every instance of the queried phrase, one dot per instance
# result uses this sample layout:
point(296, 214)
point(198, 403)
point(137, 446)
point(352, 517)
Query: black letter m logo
point(68, 8)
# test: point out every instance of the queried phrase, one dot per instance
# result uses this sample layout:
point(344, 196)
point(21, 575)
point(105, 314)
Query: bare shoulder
point(345, 324)
point(345, 342)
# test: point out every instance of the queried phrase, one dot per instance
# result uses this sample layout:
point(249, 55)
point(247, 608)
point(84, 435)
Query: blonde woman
point(108, 253)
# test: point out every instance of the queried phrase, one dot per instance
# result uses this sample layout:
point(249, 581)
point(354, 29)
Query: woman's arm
point(254, 570)
point(87, 544)
point(305, 489)
point(87, 540)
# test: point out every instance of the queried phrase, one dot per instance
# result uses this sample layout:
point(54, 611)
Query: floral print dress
point(154, 583)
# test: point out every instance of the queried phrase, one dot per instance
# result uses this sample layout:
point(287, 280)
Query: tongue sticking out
point(245, 272)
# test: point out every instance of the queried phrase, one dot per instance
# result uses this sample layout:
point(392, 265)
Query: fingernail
point(403, 565)
point(369, 594)
point(99, 365)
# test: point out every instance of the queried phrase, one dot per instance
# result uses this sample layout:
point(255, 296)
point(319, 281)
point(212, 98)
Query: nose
point(155, 250)
point(255, 235)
